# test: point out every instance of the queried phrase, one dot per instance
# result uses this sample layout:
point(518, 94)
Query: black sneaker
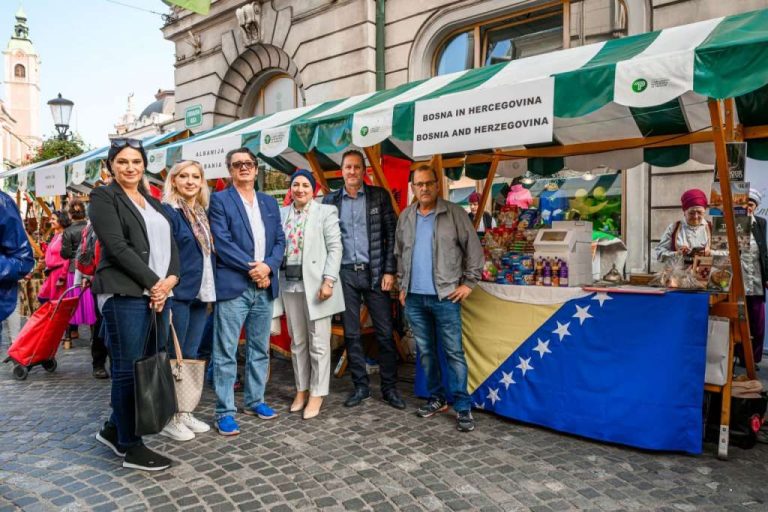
point(141, 457)
point(108, 437)
point(465, 422)
point(434, 406)
point(100, 373)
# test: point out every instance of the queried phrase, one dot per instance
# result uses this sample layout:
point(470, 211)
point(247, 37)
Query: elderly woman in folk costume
point(754, 262)
point(690, 236)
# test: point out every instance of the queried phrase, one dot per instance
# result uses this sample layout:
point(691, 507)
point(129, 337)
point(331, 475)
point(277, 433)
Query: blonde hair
point(171, 195)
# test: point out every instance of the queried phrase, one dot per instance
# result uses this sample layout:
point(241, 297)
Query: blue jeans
point(127, 323)
point(189, 321)
point(254, 310)
point(428, 314)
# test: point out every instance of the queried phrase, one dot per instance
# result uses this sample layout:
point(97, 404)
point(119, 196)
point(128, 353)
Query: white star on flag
point(562, 330)
point(478, 406)
point(582, 314)
point(525, 365)
point(493, 395)
point(602, 297)
point(506, 379)
point(542, 347)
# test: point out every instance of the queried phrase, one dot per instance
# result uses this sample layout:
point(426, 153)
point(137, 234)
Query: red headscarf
point(693, 197)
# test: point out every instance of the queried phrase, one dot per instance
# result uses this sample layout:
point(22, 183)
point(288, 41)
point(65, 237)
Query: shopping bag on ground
point(154, 394)
point(188, 377)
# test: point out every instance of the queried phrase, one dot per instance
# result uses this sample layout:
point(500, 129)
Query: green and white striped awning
point(81, 171)
point(652, 84)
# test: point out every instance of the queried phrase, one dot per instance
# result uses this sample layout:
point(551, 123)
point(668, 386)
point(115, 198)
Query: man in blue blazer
point(250, 245)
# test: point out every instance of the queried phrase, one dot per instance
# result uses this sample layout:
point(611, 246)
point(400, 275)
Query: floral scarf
point(294, 234)
point(199, 222)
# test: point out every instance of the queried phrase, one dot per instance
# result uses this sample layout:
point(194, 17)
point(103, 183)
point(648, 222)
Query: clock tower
point(22, 93)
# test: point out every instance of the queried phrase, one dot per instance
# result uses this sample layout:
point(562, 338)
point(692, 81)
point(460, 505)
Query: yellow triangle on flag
point(492, 329)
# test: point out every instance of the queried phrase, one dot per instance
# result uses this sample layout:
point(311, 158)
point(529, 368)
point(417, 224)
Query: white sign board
point(156, 160)
point(50, 181)
point(78, 172)
point(211, 153)
point(23, 180)
point(510, 115)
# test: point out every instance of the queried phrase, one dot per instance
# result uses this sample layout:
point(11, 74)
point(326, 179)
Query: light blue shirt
point(421, 261)
point(354, 228)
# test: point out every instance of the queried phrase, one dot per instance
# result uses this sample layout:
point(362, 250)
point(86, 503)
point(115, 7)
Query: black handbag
point(155, 396)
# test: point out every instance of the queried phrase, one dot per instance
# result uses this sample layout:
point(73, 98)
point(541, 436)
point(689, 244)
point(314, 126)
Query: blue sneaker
point(262, 410)
point(227, 426)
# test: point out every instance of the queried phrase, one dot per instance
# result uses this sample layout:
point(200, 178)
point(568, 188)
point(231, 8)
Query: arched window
point(279, 93)
point(520, 34)
point(19, 71)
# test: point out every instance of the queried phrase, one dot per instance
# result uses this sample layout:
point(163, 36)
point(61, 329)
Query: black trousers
point(356, 285)
point(99, 351)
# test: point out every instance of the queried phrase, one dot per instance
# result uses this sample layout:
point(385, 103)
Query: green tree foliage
point(54, 147)
point(275, 180)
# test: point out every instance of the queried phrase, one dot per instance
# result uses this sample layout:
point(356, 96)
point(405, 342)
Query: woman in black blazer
point(185, 198)
point(139, 267)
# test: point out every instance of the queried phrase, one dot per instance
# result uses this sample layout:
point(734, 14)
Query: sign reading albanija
point(211, 154)
point(511, 115)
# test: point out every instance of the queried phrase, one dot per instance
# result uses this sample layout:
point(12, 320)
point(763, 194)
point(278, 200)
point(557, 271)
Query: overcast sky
point(95, 53)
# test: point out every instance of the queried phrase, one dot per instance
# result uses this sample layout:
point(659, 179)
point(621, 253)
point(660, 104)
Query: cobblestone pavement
point(369, 458)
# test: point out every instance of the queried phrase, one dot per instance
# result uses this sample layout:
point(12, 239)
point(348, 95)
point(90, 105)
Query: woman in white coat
point(308, 288)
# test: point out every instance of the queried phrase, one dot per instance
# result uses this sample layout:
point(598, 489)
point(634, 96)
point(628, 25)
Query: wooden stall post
point(373, 155)
point(738, 328)
point(486, 191)
point(317, 171)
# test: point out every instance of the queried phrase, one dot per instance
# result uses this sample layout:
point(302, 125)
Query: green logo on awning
point(364, 131)
point(267, 139)
point(152, 158)
point(640, 85)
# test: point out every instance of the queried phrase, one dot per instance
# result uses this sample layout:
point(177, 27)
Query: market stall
point(662, 98)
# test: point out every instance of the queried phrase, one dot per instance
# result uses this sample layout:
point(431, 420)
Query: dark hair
point(354, 152)
point(423, 168)
point(228, 158)
point(117, 145)
point(76, 209)
point(62, 218)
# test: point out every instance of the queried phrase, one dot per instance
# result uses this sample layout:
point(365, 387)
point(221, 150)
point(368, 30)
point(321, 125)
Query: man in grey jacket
point(439, 260)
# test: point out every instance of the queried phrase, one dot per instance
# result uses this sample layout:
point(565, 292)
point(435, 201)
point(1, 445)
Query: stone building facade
point(250, 58)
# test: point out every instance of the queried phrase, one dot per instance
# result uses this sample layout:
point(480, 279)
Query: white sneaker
point(195, 425)
point(177, 430)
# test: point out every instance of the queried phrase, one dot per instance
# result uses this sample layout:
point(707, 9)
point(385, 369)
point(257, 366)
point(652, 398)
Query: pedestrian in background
point(439, 262)
point(185, 197)
point(56, 265)
point(85, 314)
point(249, 249)
point(307, 283)
point(138, 269)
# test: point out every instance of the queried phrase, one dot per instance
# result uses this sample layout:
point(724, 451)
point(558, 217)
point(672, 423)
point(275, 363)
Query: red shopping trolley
point(39, 339)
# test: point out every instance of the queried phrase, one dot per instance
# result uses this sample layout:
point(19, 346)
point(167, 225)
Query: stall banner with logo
point(156, 160)
point(211, 153)
point(50, 181)
point(593, 365)
point(507, 116)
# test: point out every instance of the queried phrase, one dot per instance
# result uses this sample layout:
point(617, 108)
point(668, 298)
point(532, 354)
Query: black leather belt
point(355, 266)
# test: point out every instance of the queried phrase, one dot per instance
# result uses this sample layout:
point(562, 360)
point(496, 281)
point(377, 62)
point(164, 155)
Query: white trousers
point(11, 326)
point(310, 345)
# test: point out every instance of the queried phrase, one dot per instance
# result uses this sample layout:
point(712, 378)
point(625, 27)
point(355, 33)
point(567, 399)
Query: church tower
point(22, 91)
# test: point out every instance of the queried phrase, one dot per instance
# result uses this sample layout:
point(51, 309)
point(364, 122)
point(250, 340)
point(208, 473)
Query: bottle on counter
point(547, 273)
point(564, 274)
point(556, 272)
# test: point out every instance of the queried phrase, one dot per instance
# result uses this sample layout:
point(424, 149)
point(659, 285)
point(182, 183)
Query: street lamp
point(61, 110)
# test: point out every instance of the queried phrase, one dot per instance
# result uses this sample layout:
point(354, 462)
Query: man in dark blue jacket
point(367, 274)
point(16, 259)
point(250, 245)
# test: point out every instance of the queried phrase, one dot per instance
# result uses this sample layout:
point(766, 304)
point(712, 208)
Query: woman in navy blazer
point(185, 200)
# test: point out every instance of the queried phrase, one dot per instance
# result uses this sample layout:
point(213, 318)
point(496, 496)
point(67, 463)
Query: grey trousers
point(310, 345)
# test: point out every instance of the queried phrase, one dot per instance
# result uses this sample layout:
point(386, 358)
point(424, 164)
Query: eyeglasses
point(244, 165)
point(423, 184)
point(123, 143)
